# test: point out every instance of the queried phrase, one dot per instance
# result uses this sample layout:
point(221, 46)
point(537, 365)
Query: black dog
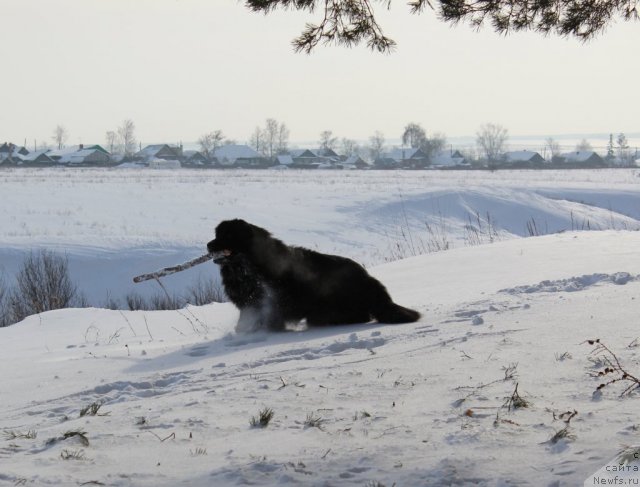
point(274, 284)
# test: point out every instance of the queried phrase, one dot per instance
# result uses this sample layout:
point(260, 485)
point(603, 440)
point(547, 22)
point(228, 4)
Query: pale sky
point(179, 69)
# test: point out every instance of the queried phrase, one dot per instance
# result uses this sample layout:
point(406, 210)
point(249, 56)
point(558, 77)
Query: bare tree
point(270, 140)
point(60, 136)
point(270, 137)
point(283, 139)
point(434, 145)
point(376, 145)
point(349, 147)
point(350, 22)
point(624, 153)
point(553, 146)
point(584, 146)
point(327, 140)
point(491, 140)
point(257, 140)
point(126, 137)
point(413, 135)
point(111, 137)
point(209, 142)
point(416, 137)
point(610, 152)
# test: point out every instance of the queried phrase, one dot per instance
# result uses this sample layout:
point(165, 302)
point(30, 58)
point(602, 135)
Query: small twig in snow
point(162, 440)
point(147, 325)
point(128, 323)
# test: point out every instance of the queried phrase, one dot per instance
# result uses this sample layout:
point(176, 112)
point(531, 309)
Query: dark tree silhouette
point(350, 22)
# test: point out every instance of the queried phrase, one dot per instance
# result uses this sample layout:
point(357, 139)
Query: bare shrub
point(263, 419)
point(313, 421)
point(516, 401)
point(480, 230)
point(73, 455)
point(205, 291)
point(135, 302)
point(4, 305)
point(92, 410)
point(157, 302)
point(612, 371)
point(165, 302)
point(42, 284)
point(111, 303)
point(438, 236)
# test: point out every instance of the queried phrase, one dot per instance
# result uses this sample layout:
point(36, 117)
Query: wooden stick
point(172, 270)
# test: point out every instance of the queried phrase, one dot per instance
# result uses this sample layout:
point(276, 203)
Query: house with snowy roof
point(522, 158)
point(354, 162)
point(326, 152)
point(194, 158)
point(402, 158)
point(305, 159)
point(158, 151)
point(11, 153)
point(314, 158)
point(284, 160)
point(38, 158)
point(581, 159)
point(448, 159)
point(80, 155)
point(239, 155)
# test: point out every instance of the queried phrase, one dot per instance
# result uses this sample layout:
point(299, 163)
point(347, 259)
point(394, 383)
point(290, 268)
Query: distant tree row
point(272, 139)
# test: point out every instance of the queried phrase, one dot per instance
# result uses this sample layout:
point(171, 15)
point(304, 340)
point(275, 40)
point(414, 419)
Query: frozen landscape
point(496, 385)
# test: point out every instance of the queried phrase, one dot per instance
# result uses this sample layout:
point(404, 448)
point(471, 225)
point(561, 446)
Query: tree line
point(272, 139)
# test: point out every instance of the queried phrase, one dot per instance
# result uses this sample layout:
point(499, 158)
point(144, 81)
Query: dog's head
point(233, 237)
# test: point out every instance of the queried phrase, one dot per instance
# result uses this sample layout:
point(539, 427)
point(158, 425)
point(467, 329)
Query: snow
point(416, 404)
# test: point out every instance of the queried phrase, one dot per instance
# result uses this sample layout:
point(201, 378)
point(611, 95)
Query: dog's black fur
point(274, 284)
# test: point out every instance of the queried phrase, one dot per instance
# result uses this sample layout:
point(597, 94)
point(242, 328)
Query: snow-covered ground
point(417, 404)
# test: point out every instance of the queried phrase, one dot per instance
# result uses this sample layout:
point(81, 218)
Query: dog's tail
point(384, 310)
point(394, 313)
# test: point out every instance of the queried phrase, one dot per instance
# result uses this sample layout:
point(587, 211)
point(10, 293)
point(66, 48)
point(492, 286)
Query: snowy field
point(114, 224)
point(428, 403)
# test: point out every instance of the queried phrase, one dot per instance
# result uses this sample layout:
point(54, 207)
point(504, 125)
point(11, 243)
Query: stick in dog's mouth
point(178, 268)
point(220, 256)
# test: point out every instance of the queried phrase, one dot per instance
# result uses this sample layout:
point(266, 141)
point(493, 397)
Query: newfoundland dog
point(274, 284)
